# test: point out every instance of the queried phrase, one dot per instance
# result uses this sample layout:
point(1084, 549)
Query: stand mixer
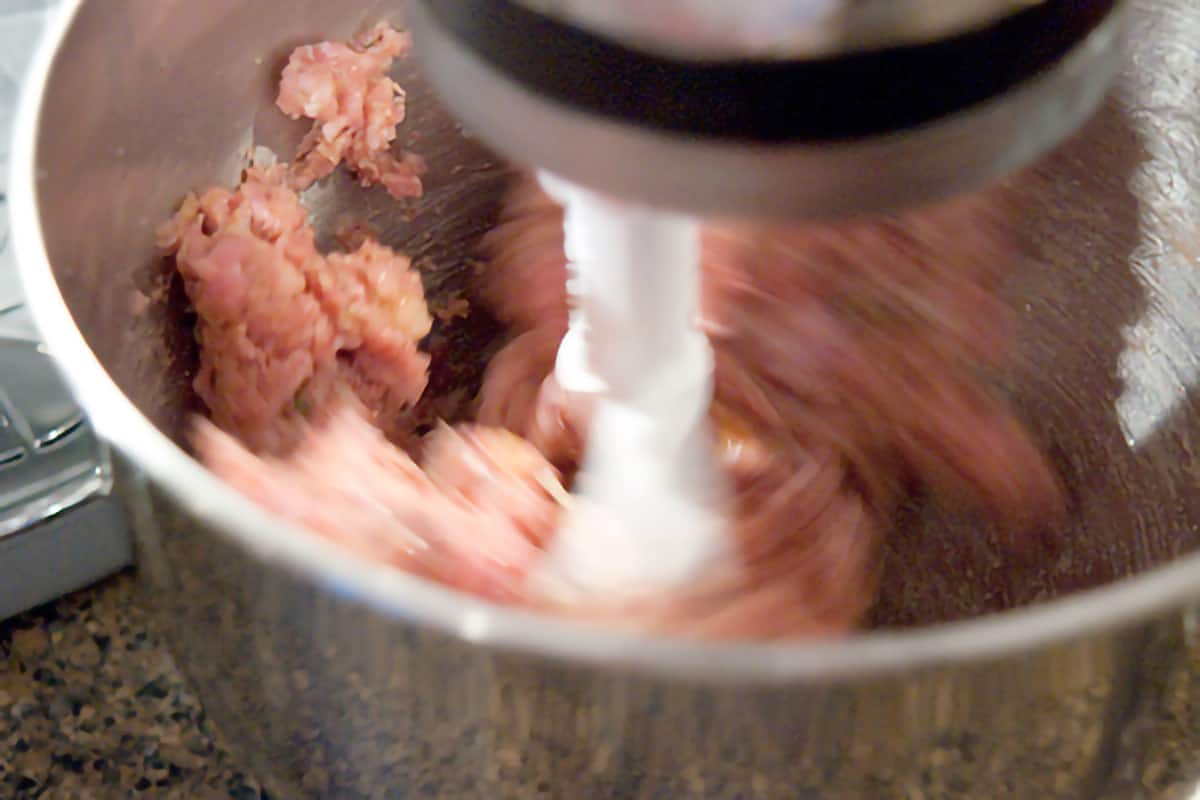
point(643, 118)
point(338, 676)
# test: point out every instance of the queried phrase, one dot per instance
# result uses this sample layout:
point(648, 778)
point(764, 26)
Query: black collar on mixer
point(850, 96)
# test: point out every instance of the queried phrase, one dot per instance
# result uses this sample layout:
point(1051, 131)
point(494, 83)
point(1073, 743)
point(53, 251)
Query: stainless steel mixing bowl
point(339, 678)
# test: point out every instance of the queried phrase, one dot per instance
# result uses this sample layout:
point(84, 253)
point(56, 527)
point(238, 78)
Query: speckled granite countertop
point(93, 707)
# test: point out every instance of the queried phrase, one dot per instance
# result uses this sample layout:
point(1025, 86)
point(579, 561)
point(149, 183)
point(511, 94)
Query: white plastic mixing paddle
point(650, 500)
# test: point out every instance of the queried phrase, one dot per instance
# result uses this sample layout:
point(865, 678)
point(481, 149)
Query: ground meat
point(520, 394)
point(878, 336)
point(809, 552)
point(851, 368)
point(472, 518)
point(280, 325)
point(465, 462)
point(245, 257)
point(355, 108)
point(378, 304)
point(525, 249)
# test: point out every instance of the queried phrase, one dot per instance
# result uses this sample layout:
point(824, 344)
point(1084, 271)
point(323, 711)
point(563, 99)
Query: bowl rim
point(404, 597)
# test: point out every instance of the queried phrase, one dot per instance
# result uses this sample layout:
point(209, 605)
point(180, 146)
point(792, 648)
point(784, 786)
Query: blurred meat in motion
point(853, 367)
point(472, 516)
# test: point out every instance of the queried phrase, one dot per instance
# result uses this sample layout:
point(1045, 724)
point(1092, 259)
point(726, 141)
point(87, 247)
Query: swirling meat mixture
point(850, 364)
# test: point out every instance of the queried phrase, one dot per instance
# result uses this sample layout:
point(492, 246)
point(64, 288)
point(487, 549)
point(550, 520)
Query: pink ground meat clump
point(245, 257)
point(280, 325)
point(355, 108)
